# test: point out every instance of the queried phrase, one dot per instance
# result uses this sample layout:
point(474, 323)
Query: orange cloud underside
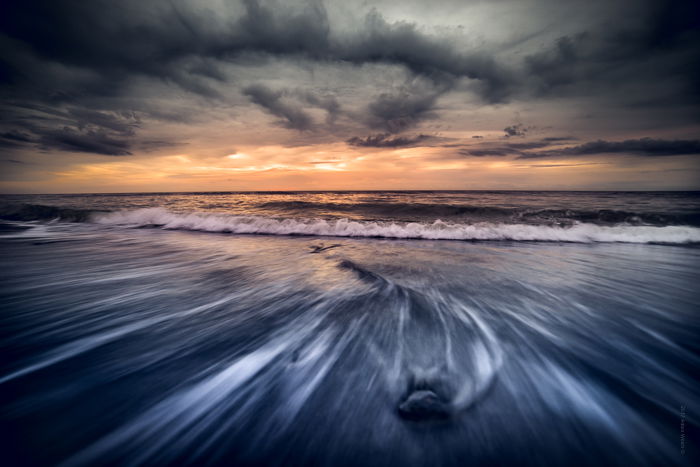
point(335, 167)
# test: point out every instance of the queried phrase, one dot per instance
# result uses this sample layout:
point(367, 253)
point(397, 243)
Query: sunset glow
point(340, 233)
point(381, 98)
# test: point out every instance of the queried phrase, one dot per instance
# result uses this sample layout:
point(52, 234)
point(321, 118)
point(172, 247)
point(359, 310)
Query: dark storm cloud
point(185, 45)
point(515, 130)
point(398, 112)
point(485, 152)
point(529, 145)
point(124, 123)
point(290, 105)
point(556, 66)
point(116, 40)
point(292, 117)
point(507, 149)
point(386, 140)
point(646, 147)
point(658, 46)
point(402, 43)
point(9, 144)
point(91, 62)
point(555, 139)
point(14, 139)
point(307, 33)
point(393, 112)
point(155, 37)
point(72, 130)
point(17, 136)
point(90, 141)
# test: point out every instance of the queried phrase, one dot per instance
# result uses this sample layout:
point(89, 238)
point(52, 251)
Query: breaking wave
point(488, 213)
point(437, 230)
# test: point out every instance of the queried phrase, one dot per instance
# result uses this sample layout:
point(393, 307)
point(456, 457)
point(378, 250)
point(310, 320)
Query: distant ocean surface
point(666, 217)
point(350, 328)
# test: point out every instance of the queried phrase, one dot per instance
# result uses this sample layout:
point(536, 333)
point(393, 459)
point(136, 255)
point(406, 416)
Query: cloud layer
point(505, 79)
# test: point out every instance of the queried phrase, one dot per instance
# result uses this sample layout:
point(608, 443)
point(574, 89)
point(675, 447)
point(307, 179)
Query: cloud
point(485, 152)
point(507, 149)
point(281, 31)
point(124, 123)
point(545, 166)
point(555, 139)
point(400, 111)
point(659, 44)
point(154, 39)
point(14, 139)
point(529, 145)
point(555, 67)
point(326, 102)
point(515, 130)
point(293, 117)
point(90, 141)
point(15, 135)
point(402, 43)
point(68, 87)
point(646, 147)
point(385, 140)
point(73, 130)
point(186, 44)
point(154, 145)
point(56, 61)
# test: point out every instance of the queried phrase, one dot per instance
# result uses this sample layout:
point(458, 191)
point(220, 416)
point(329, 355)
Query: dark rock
point(424, 405)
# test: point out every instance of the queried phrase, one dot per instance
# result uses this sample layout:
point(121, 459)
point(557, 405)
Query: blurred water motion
point(148, 346)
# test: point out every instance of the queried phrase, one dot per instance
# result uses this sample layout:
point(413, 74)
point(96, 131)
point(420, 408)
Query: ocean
point(350, 328)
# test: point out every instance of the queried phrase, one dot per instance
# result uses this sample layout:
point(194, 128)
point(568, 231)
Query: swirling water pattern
point(149, 346)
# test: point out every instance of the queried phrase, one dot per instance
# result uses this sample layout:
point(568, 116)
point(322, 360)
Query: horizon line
point(351, 191)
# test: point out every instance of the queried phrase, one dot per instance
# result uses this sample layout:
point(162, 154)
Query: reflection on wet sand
point(157, 347)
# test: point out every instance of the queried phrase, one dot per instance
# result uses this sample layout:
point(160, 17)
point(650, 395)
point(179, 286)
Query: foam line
point(437, 230)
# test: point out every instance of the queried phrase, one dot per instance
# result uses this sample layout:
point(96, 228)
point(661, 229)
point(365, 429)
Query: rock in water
point(424, 405)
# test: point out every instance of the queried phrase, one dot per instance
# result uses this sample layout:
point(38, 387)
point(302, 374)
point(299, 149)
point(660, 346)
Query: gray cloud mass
point(385, 140)
point(647, 147)
point(94, 77)
point(293, 117)
point(643, 147)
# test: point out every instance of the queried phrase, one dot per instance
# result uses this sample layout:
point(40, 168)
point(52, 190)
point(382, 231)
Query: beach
point(146, 344)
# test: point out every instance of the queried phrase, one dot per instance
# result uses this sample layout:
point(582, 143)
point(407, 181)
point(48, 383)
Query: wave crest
point(437, 230)
point(530, 215)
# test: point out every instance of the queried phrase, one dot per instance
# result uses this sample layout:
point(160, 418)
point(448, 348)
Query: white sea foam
point(437, 230)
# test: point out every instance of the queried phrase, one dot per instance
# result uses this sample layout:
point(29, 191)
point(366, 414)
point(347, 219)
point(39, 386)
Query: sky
point(154, 96)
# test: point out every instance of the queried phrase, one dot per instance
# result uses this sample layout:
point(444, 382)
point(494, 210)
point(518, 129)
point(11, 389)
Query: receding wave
point(437, 230)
